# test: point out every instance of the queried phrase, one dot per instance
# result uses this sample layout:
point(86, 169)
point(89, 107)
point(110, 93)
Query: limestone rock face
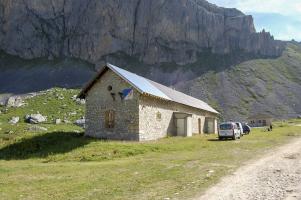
point(155, 31)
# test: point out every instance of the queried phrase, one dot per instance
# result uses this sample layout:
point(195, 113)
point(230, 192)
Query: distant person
point(271, 127)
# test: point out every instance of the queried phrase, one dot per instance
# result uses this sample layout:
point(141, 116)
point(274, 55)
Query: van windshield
point(225, 126)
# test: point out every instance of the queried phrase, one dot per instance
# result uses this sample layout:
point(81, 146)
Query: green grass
point(66, 165)
point(62, 164)
point(55, 103)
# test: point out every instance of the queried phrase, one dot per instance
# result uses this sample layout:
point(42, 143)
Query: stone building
point(124, 106)
point(260, 120)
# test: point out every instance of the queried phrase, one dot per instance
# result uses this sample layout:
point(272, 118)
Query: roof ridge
point(146, 86)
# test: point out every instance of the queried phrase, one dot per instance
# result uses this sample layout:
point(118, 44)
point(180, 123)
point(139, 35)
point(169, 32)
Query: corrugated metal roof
point(144, 85)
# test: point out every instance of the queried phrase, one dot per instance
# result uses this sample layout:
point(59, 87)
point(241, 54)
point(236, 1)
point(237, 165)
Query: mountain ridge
point(191, 45)
point(154, 31)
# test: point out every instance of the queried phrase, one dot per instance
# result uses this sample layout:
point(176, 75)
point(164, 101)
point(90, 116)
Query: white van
point(228, 130)
point(239, 125)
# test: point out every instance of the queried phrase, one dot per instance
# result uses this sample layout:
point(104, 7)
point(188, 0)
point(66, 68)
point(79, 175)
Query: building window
point(158, 116)
point(109, 119)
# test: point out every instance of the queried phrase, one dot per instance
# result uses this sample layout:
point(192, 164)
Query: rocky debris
point(36, 128)
point(35, 118)
point(14, 120)
point(58, 121)
point(32, 94)
point(80, 122)
point(66, 121)
point(80, 101)
point(72, 113)
point(15, 101)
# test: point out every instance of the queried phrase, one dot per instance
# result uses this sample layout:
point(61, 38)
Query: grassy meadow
point(62, 164)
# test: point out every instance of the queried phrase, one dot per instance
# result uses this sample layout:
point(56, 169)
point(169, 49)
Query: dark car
point(246, 129)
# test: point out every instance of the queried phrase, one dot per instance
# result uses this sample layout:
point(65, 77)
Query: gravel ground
point(277, 175)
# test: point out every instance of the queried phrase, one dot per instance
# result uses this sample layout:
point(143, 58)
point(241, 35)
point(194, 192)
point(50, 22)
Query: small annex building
point(260, 120)
point(124, 106)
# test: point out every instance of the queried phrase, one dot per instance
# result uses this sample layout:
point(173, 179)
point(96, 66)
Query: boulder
point(14, 101)
point(80, 122)
point(35, 118)
point(58, 121)
point(14, 120)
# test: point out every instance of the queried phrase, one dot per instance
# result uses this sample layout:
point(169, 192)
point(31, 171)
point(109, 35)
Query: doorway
point(183, 124)
point(209, 125)
point(200, 125)
point(180, 127)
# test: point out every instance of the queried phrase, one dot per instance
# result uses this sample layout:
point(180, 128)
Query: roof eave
point(89, 85)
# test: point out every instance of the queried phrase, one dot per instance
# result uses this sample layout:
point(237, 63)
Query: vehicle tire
point(220, 138)
point(234, 137)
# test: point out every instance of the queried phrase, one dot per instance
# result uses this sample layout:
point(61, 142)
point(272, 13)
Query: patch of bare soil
point(277, 175)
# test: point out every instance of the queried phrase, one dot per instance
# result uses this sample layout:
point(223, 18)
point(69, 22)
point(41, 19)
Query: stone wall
point(140, 118)
point(99, 100)
point(150, 127)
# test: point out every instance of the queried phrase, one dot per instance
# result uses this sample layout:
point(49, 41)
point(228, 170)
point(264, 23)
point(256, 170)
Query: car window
point(225, 126)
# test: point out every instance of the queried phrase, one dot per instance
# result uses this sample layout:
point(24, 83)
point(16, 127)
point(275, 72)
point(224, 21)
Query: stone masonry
point(141, 118)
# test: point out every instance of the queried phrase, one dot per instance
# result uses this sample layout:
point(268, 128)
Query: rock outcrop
point(155, 31)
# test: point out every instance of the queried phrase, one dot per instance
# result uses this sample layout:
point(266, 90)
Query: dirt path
point(276, 175)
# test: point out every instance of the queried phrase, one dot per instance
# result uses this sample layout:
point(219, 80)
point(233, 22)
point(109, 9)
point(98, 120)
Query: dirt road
point(277, 175)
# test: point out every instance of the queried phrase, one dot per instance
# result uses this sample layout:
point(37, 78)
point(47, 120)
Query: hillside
point(210, 52)
point(260, 85)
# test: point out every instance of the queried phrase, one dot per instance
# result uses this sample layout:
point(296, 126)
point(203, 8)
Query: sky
point(280, 17)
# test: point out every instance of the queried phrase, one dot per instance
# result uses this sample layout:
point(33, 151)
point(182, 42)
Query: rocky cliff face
point(155, 31)
point(271, 86)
